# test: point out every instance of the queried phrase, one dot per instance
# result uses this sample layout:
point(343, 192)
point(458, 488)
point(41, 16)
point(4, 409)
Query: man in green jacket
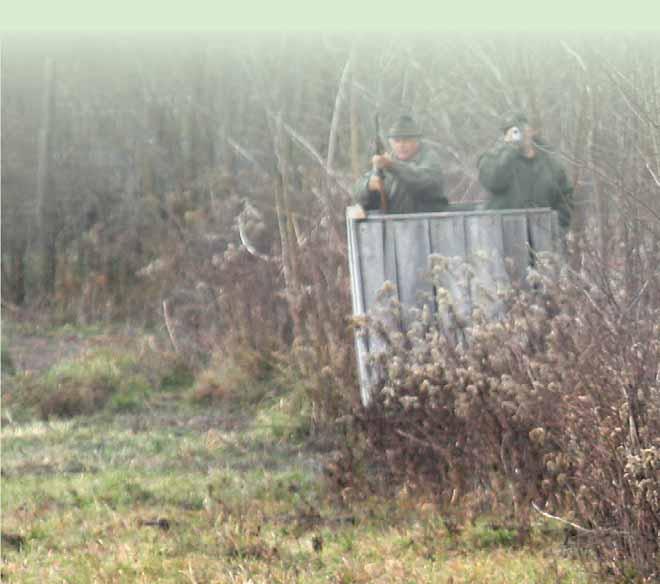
point(521, 171)
point(410, 174)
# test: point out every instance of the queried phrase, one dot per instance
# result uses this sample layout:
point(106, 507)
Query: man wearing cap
point(410, 174)
point(521, 171)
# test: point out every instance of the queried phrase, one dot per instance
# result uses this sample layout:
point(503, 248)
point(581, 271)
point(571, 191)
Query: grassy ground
point(173, 491)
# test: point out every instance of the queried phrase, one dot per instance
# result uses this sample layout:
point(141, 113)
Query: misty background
point(190, 188)
point(124, 149)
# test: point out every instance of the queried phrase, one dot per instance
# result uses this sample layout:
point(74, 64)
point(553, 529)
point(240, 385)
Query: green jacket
point(516, 182)
point(413, 186)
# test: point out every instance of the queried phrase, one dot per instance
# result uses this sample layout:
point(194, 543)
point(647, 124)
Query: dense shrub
point(86, 384)
point(97, 379)
point(265, 299)
point(556, 404)
point(243, 377)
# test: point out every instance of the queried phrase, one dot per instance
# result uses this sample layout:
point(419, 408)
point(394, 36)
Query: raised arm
point(496, 167)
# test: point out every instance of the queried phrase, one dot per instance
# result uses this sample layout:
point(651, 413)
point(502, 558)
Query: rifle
point(379, 148)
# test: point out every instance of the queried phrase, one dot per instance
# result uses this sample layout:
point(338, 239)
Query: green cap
point(404, 127)
point(513, 119)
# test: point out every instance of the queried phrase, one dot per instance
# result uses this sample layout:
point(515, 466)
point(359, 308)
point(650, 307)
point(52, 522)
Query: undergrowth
point(105, 378)
point(554, 407)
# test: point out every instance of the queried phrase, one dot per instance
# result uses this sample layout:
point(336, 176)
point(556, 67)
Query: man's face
point(404, 148)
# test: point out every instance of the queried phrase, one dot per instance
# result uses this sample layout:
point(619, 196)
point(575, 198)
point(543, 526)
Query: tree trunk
point(579, 154)
point(287, 242)
point(356, 165)
point(334, 124)
point(46, 203)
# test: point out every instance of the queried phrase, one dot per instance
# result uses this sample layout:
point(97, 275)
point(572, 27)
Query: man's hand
point(375, 183)
point(381, 161)
point(356, 212)
point(527, 146)
point(523, 139)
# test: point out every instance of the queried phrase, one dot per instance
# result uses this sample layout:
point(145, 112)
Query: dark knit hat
point(513, 119)
point(404, 127)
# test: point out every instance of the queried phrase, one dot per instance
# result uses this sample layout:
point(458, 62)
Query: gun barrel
point(379, 148)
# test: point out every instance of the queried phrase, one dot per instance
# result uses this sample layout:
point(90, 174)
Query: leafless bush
point(556, 404)
point(279, 294)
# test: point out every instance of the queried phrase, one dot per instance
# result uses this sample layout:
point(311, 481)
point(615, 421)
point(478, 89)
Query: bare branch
point(339, 101)
point(244, 153)
point(248, 211)
point(655, 178)
point(302, 141)
point(579, 528)
point(168, 325)
point(574, 54)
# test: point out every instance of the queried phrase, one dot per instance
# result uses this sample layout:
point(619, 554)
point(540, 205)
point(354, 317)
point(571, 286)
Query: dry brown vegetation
point(555, 407)
point(205, 198)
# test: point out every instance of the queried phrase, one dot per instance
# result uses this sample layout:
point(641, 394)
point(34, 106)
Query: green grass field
point(175, 491)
